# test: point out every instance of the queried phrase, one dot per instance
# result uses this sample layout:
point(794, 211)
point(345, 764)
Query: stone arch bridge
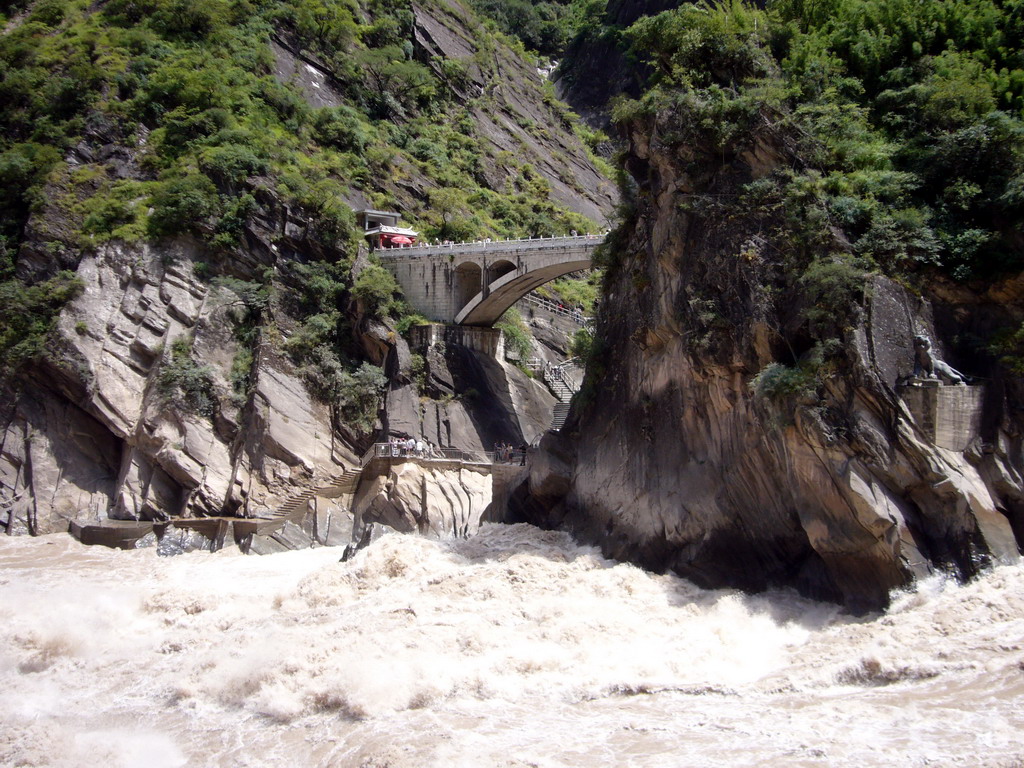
point(474, 283)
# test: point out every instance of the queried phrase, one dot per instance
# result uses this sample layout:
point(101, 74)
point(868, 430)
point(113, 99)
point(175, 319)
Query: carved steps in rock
point(282, 531)
point(341, 485)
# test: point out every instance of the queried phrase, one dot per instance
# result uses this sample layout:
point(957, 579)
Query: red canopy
point(400, 240)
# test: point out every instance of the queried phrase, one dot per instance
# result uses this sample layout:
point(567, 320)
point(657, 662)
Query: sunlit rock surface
point(441, 499)
point(672, 460)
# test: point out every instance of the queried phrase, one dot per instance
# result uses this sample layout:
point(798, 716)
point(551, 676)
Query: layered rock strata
point(91, 434)
point(439, 499)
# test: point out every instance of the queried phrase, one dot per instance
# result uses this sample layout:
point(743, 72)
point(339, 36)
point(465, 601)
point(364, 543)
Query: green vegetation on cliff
point(811, 145)
point(29, 313)
point(146, 120)
point(899, 121)
point(545, 27)
point(189, 89)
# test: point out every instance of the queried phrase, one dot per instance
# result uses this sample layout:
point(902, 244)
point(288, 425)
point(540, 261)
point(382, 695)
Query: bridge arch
point(486, 307)
point(499, 269)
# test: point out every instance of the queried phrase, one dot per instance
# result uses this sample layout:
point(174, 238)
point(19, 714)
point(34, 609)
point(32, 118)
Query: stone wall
point(486, 341)
point(948, 416)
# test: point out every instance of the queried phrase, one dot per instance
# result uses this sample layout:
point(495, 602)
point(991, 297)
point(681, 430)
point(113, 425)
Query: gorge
point(636, 459)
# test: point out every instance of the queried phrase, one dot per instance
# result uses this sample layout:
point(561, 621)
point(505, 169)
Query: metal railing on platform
point(433, 453)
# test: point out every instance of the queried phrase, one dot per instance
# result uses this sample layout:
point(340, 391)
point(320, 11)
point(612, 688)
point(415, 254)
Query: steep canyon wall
point(89, 432)
point(676, 459)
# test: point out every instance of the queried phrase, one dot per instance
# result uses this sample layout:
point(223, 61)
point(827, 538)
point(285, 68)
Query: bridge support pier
point(486, 341)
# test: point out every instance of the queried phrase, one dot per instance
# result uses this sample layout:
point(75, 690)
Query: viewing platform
point(433, 454)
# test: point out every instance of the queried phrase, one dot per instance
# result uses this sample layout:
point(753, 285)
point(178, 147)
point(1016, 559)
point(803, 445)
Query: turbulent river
point(512, 648)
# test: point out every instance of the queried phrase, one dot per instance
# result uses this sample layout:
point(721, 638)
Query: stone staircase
point(563, 386)
point(559, 416)
point(295, 506)
point(560, 389)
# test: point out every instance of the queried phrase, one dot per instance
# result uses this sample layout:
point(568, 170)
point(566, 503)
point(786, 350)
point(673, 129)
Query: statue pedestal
point(949, 416)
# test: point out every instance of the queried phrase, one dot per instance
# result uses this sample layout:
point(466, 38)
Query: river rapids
point(515, 647)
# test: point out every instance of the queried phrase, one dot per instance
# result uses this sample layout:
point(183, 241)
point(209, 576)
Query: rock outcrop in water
point(436, 499)
point(675, 459)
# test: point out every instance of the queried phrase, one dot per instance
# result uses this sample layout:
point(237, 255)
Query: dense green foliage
point(379, 291)
point(322, 348)
point(575, 291)
point(545, 27)
point(190, 85)
point(204, 136)
point(28, 314)
point(1009, 346)
point(582, 344)
point(518, 339)
point(247, 305)
point(901, 121)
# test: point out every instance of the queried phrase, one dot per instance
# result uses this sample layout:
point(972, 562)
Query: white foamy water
point(514, 648)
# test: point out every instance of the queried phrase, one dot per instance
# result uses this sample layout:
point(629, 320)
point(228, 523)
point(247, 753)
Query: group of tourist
point(505, 453)
point(410, 447)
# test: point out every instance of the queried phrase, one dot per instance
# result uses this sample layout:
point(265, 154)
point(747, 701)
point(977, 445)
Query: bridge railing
point(490, 246)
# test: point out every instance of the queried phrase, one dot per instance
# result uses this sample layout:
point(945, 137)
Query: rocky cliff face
point(89, 432)
point(845, 490)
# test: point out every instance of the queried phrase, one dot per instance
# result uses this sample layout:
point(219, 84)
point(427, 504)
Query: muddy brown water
point(512, 648)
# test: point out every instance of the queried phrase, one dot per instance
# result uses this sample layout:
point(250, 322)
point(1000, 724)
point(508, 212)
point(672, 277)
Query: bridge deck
point(531, 244)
